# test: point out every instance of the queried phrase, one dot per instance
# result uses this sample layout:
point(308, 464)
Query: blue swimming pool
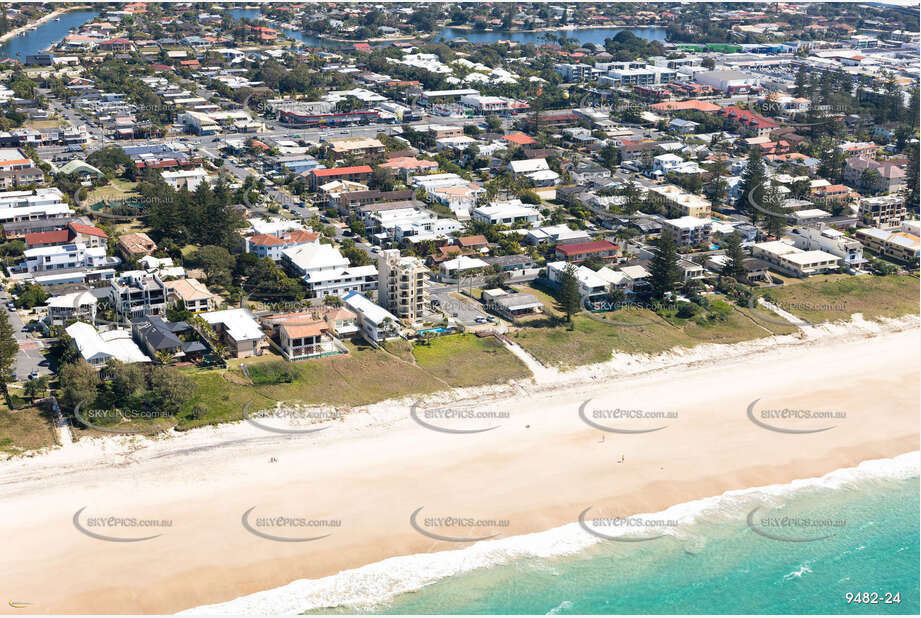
point(438, 330)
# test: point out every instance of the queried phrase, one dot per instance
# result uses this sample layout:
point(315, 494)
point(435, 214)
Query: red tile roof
point(747, 117)
point(57, 237)
point(342, 171)
point(89, 230)
point(519, 138)
point(586, 247)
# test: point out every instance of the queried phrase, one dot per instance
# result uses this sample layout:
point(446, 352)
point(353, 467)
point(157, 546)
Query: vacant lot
point(25, 430)
point(639, 331)
point(468, 360)
point(592, 341)
point(835, 297)
point(363, 376)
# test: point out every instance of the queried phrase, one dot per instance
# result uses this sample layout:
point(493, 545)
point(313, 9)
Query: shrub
point(277, 372)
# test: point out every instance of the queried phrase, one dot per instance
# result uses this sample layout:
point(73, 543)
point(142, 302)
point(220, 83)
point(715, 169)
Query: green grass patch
point(276, 372)
point(363, 376)
point(25, 430)
point(593, 341)
point(468, 360)
point(828, 298)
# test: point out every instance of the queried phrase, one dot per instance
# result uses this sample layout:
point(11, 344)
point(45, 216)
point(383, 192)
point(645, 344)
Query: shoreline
point(420, 570)
point(55, 13)
point(543, 378)
point(373, 469)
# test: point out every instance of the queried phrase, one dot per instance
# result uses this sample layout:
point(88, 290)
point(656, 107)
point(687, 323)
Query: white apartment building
point(684, 203)
point(61, 257)
point(402, 284)
point(689, 231)
point(792, 261)
point(831, 241)
point(326, 272)
point(375, 323)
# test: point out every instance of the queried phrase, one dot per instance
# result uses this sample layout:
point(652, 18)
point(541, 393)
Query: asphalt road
point(467, 309)
point(30, 347)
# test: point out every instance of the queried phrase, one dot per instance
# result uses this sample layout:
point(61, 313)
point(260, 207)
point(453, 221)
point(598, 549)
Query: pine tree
point(911, 179)
point(8, 350)
point(569, 300)
point(664, 267)
point(775, 224)
point(734, 266)
point(753, 177)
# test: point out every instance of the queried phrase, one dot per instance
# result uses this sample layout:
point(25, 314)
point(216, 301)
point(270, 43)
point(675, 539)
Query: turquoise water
point(717, 565)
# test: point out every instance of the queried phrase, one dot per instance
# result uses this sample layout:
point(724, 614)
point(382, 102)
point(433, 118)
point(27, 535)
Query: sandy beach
point(539, 468)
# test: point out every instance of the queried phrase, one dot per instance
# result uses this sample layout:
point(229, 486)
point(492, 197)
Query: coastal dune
point(539, 468)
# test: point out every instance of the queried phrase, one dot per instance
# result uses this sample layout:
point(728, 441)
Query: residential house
point(511, 306)
point(74, 306)
point(136, 294)
point(135, 245)
point(97, 348)
point(302, 335)
point(595, 250)
point(193, 294)
point(272, 245)
point(239, 331)
point(509, 212)
point(163, 339)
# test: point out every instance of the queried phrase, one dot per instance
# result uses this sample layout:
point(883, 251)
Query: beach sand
point(538, 469)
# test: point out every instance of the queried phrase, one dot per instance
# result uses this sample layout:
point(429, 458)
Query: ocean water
point(715, 567)
point(808, 545)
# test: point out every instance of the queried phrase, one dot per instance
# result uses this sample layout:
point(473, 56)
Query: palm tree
point(164, 357)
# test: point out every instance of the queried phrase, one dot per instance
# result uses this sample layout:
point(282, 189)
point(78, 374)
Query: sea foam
point(373, 584)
